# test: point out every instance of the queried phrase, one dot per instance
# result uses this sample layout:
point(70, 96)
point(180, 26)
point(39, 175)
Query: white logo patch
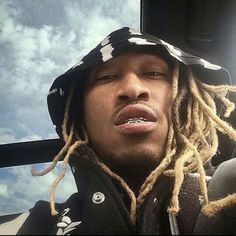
point(172, 48)
point(140, 41)
point(134, 32)
point(66, 225)
point(208, 65)
point(105, 41)
point(78, 64)
point(106, 52)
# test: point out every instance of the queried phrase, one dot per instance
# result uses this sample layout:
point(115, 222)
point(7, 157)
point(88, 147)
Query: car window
point(19, 190)
point(40, 40)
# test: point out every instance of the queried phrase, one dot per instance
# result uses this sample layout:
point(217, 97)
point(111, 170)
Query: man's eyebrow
point(95, 71)
point(102, 67)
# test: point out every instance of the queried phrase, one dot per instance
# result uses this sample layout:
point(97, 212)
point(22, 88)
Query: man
point(139, 127)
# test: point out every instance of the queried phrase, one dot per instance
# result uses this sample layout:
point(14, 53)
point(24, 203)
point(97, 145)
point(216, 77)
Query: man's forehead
point(129, 57)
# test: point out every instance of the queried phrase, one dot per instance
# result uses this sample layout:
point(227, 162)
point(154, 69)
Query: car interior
point(204, 28)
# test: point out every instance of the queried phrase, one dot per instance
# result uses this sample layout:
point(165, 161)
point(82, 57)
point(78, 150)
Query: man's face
point(127, 104)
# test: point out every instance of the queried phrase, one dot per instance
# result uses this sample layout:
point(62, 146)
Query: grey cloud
point(33, 13)
point(39, 40)
point(19, 196)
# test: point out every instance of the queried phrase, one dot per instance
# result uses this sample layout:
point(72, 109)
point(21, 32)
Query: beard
point(133, 163)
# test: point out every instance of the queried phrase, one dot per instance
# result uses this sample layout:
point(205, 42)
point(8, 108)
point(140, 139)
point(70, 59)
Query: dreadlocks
point(192, 141)
point(72, 143)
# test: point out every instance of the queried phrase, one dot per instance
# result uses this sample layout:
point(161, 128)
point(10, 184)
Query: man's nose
point(131, 87)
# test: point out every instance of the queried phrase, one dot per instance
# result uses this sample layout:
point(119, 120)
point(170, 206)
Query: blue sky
point(39, 40)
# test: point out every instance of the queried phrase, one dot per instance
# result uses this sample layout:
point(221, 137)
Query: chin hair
point(135, 163)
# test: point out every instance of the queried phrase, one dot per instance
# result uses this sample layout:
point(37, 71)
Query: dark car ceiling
point(206, 28)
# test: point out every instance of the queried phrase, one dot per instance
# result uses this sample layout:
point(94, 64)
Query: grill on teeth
point(135, 120)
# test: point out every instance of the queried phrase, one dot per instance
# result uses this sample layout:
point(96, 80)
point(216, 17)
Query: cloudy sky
point(39, 40)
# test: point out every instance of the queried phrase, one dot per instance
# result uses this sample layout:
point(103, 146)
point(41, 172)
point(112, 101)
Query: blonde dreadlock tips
point(189, 145)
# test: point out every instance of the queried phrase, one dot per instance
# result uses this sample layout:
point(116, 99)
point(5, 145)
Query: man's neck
point(134, 179)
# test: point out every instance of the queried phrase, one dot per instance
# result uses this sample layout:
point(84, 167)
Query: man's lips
point(132, 112)
point(136, 118)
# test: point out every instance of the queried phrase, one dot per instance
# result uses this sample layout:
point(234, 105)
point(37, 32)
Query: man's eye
point(106, 78)
point(154, 73)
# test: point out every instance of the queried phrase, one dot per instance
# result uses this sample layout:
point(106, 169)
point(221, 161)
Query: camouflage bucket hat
point(114, 44)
